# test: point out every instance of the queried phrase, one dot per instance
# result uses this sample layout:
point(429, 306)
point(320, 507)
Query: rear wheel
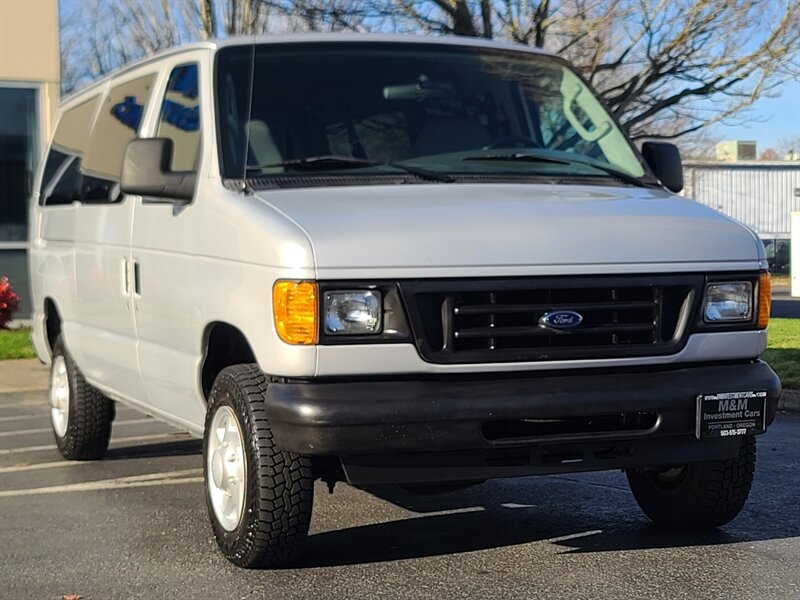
point(259, 497)
point(699, 495)
point(80, 414)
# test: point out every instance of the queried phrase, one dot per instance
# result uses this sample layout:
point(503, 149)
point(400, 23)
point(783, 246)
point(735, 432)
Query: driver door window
point(179, 119)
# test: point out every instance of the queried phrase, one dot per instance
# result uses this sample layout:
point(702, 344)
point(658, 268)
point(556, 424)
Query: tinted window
point(70, 143)
point(54, 161)
point(65, 190)
point(117, 124)
point(180, 117)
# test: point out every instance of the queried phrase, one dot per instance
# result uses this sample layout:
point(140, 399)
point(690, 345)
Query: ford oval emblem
point(560, 319)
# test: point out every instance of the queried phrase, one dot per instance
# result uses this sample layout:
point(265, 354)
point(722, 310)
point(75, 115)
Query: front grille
point(500, 320)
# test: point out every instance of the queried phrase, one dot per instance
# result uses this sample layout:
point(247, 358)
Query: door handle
point(137, 278)
point(126, 278)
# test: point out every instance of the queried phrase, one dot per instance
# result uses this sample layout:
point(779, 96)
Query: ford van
point(427, 262)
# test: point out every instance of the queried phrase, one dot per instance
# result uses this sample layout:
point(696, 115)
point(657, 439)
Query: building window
point(19, 153)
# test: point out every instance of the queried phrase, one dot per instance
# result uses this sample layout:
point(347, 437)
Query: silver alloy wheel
point(226, 467)
point(59, 396)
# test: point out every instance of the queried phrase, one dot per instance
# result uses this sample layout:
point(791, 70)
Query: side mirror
point(146, 171)
point(665, 161)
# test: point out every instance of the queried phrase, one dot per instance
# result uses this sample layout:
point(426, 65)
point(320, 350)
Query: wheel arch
point(52, 323)
point(223, 345)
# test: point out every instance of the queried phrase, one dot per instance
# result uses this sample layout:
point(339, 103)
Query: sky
point(772, 119)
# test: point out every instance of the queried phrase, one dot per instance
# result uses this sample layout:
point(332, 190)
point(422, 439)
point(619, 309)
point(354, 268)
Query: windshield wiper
point(319, 163)
point(517, 157)
point(532, 158)
point(331, 162)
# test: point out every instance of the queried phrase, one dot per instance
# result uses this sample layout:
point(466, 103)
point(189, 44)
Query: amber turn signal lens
point(764, 299)
point(294, 304)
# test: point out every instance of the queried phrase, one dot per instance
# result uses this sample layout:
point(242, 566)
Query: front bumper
point(383, 425)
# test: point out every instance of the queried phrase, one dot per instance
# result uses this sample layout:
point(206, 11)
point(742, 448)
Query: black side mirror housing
point(146, 172)
point(665, 161)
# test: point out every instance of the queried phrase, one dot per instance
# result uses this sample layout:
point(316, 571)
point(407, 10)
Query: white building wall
point(762, 195)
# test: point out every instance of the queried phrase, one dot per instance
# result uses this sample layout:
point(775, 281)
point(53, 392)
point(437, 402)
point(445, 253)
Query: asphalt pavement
point(134, 526)
point(785, 306)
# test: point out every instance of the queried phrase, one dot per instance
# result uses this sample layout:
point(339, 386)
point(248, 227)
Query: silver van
point(378, 259)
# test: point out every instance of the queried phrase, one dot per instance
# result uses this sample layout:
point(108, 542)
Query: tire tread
point(712, 495)
point(280, 484)
point(91, 415)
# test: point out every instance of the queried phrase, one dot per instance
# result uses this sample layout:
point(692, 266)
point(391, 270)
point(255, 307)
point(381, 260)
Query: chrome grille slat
point(478, 332)
point(515, 308)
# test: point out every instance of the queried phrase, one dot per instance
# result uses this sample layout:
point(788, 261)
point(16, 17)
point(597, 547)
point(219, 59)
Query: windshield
point(290, 110)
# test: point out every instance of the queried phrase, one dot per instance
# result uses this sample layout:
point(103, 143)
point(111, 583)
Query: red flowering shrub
point(9, 302)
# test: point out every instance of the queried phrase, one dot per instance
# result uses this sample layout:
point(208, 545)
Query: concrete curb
point(790, 401)
point(23, 375)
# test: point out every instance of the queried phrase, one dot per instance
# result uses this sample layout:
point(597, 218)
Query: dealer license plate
point(728, 414)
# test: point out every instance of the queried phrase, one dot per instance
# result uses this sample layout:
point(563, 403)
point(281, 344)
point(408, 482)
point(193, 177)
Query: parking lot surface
point(134, 526)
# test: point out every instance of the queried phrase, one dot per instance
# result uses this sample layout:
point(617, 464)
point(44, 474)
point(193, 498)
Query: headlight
point(353, 312)
point(728, 302)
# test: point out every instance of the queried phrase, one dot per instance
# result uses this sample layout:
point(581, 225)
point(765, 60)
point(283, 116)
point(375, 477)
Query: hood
point(454, 226)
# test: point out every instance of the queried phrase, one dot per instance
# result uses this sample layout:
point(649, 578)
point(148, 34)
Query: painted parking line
point(24, 404)
point(23, 417)
point(48, 465)
point(42, 414)
point(166, 437)
point(49, 429)
point(151, 479)
point(574, 536)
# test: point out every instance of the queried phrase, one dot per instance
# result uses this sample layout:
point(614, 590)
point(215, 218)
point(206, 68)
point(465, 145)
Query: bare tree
point(665, 68)
point(788, 146)
point(102, 35)
point(324, 15)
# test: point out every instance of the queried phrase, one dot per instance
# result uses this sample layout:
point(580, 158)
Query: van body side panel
point(189, 281)
point(213, 260)
point(102, 261)
point(52, 266)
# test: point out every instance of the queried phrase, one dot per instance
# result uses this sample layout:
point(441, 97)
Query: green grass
point(16, 343)
point(783, 352)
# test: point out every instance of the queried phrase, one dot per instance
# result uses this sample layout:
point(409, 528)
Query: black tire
point(279, 488)
point(700, 495)
point(90, 413)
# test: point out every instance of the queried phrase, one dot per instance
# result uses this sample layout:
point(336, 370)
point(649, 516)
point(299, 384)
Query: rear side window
point(180, 117)
point(60, 181)
point(117, 124)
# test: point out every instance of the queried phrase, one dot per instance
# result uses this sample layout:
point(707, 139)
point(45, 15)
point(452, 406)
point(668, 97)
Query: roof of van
point(245, 40)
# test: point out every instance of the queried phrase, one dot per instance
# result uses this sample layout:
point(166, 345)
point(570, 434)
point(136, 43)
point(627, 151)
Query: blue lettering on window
point(128, 112)
point(183, 117)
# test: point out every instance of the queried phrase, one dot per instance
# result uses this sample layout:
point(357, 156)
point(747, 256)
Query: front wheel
point(699, 495)
point(259, 497)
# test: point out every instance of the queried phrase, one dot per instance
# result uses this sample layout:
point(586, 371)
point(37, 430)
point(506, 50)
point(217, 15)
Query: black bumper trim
point(471, 465)
point(380, 417)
